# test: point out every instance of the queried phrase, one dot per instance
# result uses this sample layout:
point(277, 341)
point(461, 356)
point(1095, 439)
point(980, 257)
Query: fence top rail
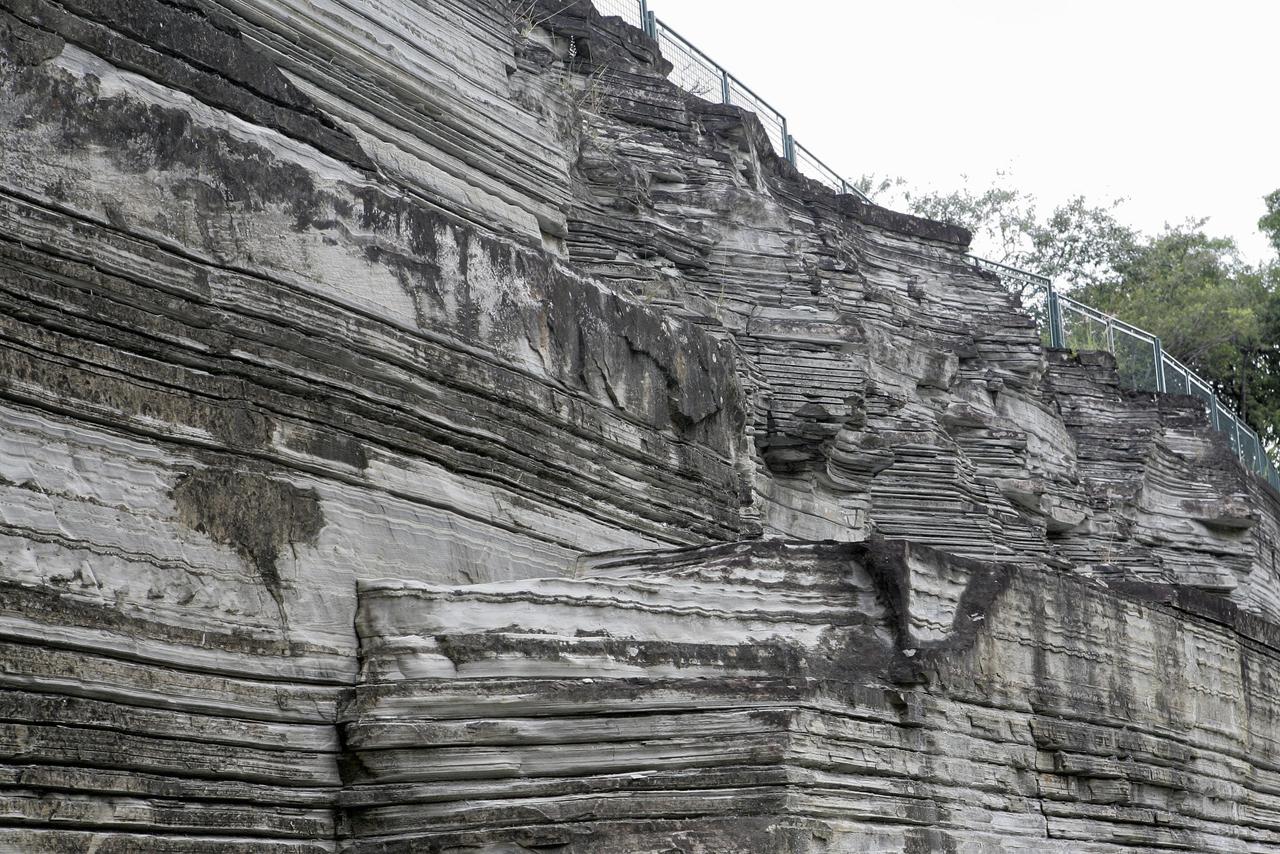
point(997, 267)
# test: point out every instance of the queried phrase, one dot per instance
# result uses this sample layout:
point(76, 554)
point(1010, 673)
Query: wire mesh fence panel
point(1242, 442)
point(1040, 314)
point(1177, 378)
point(816, 169)
point(627, 10)
point(1135, 361)
point(774, 123)
point(1248, 445)
point(810, 165)
point(691, 70)
point(1261, 462)
point(1201, 389)
point(1227, 424)
point(1249, 448)
point(1269, 470)
point(1081, 330)
point(1035, 302)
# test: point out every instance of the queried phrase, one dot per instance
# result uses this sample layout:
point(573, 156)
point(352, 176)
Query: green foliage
point(1077, 242)
point(1188, 288)
point(1082, 243)
point(1269, 224)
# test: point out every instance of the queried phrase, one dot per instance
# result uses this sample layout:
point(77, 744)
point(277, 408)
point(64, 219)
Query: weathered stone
point(423, 427)
point(836, 689)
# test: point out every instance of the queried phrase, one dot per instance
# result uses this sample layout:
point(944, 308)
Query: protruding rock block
point(804, 698)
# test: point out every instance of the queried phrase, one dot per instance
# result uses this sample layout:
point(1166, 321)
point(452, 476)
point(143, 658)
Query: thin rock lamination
point(424, 428)
point(869, 697)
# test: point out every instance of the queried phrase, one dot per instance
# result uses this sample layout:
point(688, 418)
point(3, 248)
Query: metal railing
point(1141, 361)
point(1065, 323)
point(698, 74)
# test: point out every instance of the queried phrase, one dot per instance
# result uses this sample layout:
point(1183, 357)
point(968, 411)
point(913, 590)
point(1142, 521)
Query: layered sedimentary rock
point(832, 698)
point(243, 367)
point(893, 386)
point(346, 346)
point(1165, 500)
point(126, 732)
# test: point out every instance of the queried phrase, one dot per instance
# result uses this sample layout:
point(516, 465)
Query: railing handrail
point(999, 266)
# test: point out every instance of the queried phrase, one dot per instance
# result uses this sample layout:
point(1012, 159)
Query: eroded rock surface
point(422, 427)
point(811, 698)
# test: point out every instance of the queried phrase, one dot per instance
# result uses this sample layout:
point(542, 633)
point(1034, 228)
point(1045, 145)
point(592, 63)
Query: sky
point(1172, 105)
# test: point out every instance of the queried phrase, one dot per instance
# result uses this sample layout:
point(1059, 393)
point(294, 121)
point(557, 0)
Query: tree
point(1081, 244)
point(1078, 243)
point(1269, 224)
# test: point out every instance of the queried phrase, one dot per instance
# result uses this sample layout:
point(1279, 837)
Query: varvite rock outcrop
point(423, 428)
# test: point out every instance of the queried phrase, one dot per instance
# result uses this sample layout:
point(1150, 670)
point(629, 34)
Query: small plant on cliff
point(525, 17)
point(589, 96)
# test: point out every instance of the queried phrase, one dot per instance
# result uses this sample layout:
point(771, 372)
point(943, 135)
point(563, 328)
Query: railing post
point(1057, 335)
point(650, 24)
point(788, 146)
point(1159, 351)
point(1111, 335)
point(724, 87)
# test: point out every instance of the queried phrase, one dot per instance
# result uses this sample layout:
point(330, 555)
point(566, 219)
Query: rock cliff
point(424, 428)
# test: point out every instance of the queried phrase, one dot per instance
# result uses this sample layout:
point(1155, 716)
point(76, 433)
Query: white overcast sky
point(1174, 105)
